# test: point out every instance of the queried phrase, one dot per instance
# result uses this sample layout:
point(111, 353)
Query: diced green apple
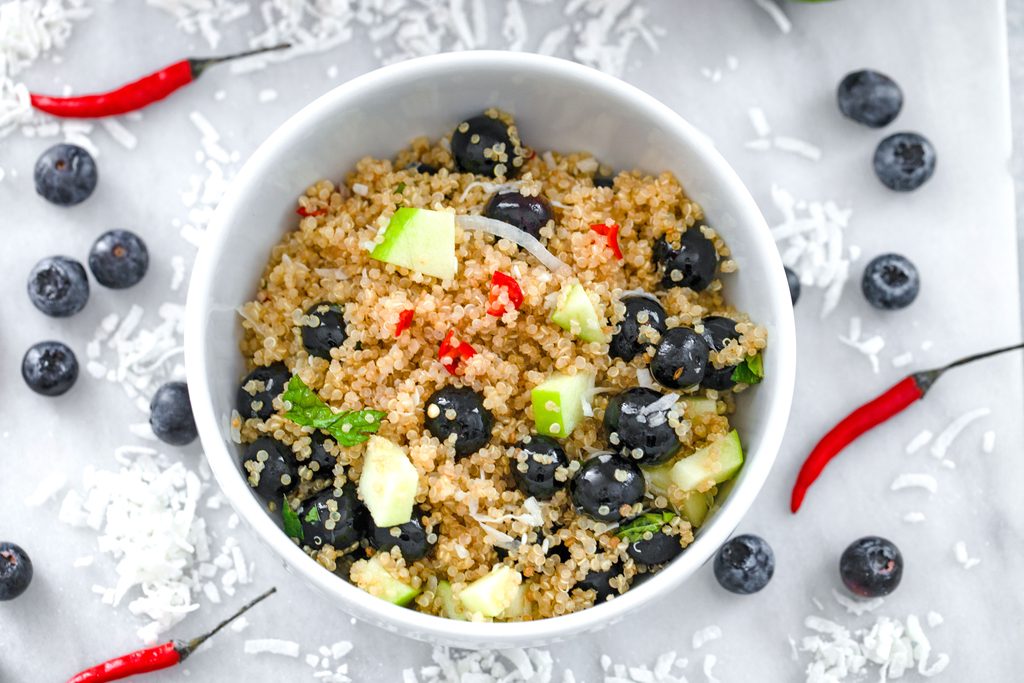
point(388, 483)
point(422, 240)
point(452, 609)
point(372, 577)
point(574, 311)
point(558, 403)
point(492, 594)
point(713, 464)
point(695, 507)
point(699, 406)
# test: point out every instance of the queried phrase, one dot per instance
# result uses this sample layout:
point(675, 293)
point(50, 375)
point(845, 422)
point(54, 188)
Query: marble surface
point(959, 229)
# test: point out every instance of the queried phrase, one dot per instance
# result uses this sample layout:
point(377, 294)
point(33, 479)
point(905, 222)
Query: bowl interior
point(558, 105)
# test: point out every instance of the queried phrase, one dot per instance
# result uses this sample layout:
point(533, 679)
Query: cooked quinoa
point(473, 515)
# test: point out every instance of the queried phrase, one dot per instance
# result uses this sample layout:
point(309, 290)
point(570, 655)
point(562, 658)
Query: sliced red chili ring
point(404, 320)
point(501, 281)
point(305, 213)
point(451, 355)
point(611, 236)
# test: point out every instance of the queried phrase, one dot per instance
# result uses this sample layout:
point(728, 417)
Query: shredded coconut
point(918, 442)
point(773, 10)
point(948, 435)
point(857, 607)
point(810, 239)
point(914, 517)
point(915, 480)
point(705, 636)
point(870, 347)
point(960, 552)
point(988, 442)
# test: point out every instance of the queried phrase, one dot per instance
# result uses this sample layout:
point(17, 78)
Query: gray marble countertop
point(960, 230)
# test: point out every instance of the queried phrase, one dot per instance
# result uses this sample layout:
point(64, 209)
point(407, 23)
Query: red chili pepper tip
point(404, 321)
point(500, 281)
point(305, 213)
point(611, 234)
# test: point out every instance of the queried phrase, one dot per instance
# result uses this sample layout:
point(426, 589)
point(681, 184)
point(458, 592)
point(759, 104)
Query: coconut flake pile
point(145, 516)
point(811, 240)
point(599, 33)
point(889, 647)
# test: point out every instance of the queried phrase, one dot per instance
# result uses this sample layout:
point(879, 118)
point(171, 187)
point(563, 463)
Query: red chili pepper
point(154, 658)
point(404, 320)
point(501, 281)
point(451, 355)
point(305, 213)
point(611, 235)
point(137, 94)
point(870, 415)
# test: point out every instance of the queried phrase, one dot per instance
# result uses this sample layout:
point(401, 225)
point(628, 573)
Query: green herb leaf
point(292, 525)
point(313, 516)
point(400, 189)
point(347, 428)
point(634, 529)
point(750, 371)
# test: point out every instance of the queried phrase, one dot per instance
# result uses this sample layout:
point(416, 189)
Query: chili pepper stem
point(185, 649)
point(893, 401)
point(201, 64)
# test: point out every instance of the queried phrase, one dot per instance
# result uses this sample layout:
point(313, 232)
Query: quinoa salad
point(494, 383)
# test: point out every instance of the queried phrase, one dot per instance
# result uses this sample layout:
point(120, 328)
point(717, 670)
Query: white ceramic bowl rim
point(222, 461)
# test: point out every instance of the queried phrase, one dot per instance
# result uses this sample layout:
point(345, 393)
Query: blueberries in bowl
point(535, 463)
point(256, 393)
point(604, 484)
point(692, 264)
point(681, 359)
point(528, 213)
point(323, 329)
point(641, 311)
point(638, 428)
point(486, 145)
point(412, 539)
point(459, 411)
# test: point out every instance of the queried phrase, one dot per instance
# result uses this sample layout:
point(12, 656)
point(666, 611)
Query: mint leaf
point(400, 189)
point(312, 516)
point(292, 525)
point(750, 371)
point(347, 428)
point(634, 529)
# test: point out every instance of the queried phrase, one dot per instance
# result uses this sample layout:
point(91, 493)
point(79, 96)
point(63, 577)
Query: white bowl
point(558, 105)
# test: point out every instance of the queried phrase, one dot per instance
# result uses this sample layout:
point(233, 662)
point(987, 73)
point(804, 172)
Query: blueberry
point(485, 145)
point(870, 98)
point(411, 538)
point(118, 259)
point(15, 571)
point(256, 393)
point(58, 286)
point(170, 415)
point(333, 517)
point(627, 343)
point(321, 462)
point(49, 368)
point(459, 411)
point(600, 582)
point(904, 161)
point(270, 468)
point(717, 331)
point(421, 167)
point(745, 564)
point(604, 178)
point(681, 359)
point(871, 567)
point(660, 548)
point(323, 329)
point(529, 214)
point(605, 484)
point(65, 175)
point(535, 462)
point(794, 284)
point(692, 264)
point(890, 282)
point(646, 437)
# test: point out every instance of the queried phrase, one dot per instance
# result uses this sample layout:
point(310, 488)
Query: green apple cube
point(452, 610)
point(713, 464)
point(421, 240)
point(558, 403)
point(699, 406)
point(574, 306)
point(372, 577)
point(388, 483)
point(695, 508)
point(492, 594)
